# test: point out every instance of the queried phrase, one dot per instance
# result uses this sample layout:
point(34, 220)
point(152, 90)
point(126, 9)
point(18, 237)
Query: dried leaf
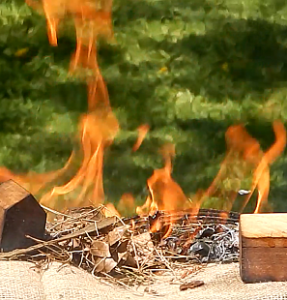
point(144, 243)
point(122, 256)
point(116, 235)
point(143, 238)
point(191, 285)
point(128, 260)
point(122, 248)
point(142, 248)
point(74, 243)
point(100, 249)
point(104, 265)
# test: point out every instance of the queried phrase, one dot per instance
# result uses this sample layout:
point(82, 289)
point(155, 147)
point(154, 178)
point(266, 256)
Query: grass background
point(222, 61)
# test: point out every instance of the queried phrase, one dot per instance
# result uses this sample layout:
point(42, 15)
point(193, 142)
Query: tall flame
point(97, 129)
point(244, 156)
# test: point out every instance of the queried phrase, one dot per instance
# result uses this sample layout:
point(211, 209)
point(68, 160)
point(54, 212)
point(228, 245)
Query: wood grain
point(263, 264)
point(263, 225)
point(263, 247)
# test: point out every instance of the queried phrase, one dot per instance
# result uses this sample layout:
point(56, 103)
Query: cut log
point(263, 247)
point(20, 216)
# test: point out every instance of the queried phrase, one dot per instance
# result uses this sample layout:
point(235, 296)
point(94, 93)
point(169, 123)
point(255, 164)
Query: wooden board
point(263, 225)
point(263, 247)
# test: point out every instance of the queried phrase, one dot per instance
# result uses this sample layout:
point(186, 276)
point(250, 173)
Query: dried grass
point(124, 251)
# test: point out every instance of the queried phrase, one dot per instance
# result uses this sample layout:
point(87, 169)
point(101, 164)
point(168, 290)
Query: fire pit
point(199, 259)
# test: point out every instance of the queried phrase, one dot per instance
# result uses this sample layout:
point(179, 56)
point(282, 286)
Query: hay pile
point(125, 251)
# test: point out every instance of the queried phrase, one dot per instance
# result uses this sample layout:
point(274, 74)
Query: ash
point(219, 243)
point(206, 240)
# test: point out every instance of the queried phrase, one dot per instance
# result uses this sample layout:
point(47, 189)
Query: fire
point(126, 204)
point(244, 156)
point(98, 128)
point(142, 132)
point(165, 193)
point(110, 211)
point(92, 19)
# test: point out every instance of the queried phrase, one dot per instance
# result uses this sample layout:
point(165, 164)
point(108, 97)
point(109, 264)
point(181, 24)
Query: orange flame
point(261, 177)
point(110, 211)
point(244, 155)
point(142, 131)
point(126, 204)
point(165, 193)
point(98, 128)
point(91, 18)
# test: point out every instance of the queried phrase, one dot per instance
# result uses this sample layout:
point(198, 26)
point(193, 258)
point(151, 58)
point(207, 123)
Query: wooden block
point(263, 247)
point(20, 215)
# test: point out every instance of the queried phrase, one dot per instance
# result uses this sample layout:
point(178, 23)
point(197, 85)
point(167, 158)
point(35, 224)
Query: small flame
point(110, 211)
point(261, 177)
point(142, 132)
point(91, 18)
point(126, 204)
point(98, 129)
point(165, 193)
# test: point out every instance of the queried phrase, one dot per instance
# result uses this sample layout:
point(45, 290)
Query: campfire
point(170, 231)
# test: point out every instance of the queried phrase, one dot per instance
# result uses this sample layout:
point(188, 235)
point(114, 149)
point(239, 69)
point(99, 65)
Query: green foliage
point(189, 68)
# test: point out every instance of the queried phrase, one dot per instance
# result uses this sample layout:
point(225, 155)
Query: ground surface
point(20, 280)
point(189, 68)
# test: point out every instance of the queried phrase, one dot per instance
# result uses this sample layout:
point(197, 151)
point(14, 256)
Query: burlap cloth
point(21, 280)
